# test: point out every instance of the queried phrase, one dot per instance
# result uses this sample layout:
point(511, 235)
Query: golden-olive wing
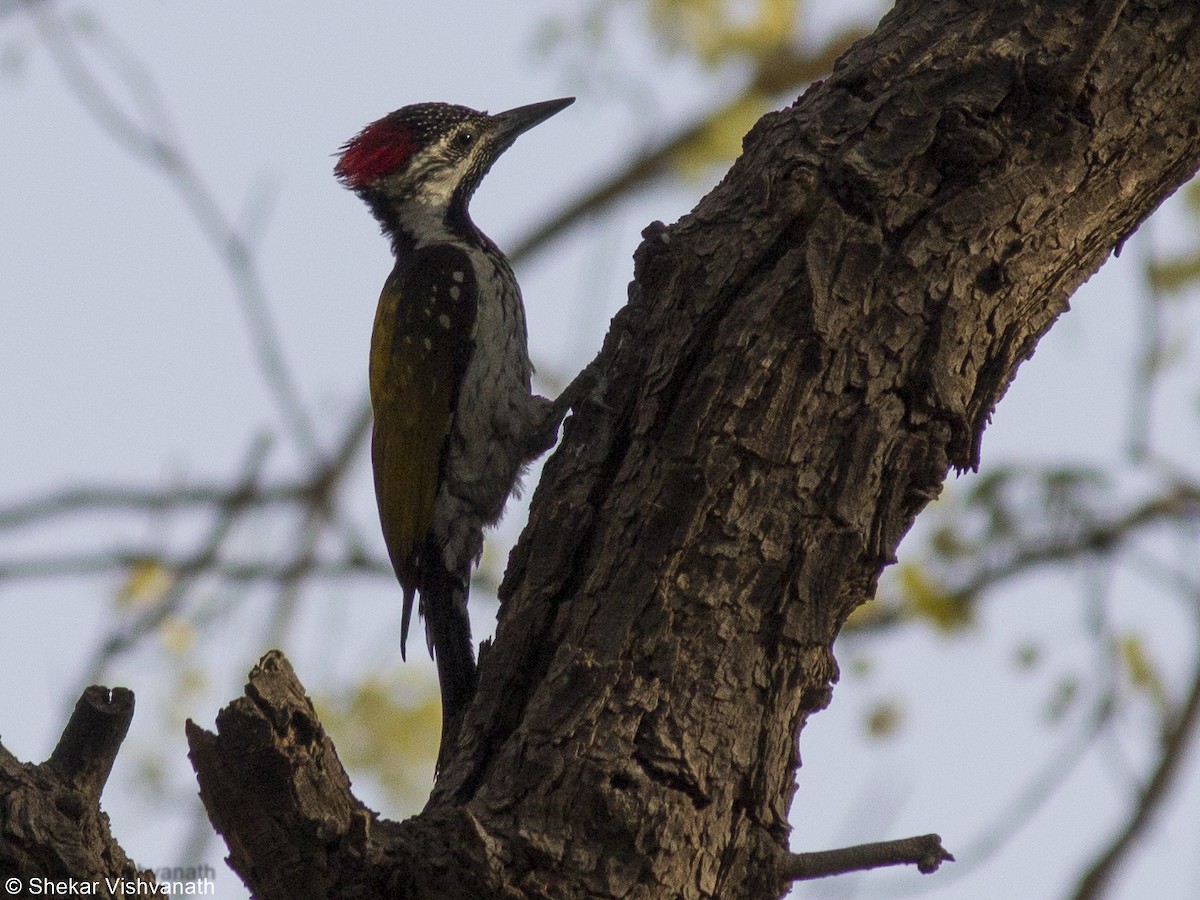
point(419, 351)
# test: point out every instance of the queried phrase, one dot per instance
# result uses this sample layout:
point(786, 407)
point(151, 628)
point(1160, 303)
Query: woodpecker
point(455, 422)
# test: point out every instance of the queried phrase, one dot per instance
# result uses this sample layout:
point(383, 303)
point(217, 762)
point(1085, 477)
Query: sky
point(127, 361)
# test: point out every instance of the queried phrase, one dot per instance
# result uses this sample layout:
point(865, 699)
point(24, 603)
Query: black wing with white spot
point(419, 352)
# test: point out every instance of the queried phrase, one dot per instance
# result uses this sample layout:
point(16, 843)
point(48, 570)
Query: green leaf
point(925, 599)
point(1142, 671)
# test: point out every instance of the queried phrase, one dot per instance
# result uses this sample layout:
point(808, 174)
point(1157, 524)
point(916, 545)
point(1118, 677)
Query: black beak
point(514, 122)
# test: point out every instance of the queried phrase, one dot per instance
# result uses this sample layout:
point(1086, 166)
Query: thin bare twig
point(786, 70)
point(1038, 791)
point(83, 499)
point(264, 571)
point(161, 152)
point(121, 640)
point(1098, 877)
point(1179, 502)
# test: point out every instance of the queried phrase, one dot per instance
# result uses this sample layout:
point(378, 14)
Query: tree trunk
point(802, 360)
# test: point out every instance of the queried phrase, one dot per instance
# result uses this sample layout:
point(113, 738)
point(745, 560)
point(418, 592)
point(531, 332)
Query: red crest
point(383, 146)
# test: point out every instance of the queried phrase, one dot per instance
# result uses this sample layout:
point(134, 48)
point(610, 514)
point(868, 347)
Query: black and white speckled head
point(418, 166)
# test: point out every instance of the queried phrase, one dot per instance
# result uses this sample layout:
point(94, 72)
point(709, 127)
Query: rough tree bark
point(51, 826)
point(801, 362)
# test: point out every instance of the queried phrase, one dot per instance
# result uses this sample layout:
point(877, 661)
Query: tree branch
point(925, 852)
point(51, 826)
point(781, 72)
point(120, 640)
point(1180, 502)
point(1098, 877)
point(88, 747)
point(264, 571)
point(275, 790)
point(159, 150)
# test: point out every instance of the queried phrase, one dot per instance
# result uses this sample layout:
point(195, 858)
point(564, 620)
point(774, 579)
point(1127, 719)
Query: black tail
point(444, 604)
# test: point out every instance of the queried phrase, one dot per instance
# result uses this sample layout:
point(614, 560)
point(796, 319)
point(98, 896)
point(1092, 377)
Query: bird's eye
point(464, 139)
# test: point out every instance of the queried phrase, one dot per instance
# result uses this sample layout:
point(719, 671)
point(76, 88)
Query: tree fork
point(276, 791)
